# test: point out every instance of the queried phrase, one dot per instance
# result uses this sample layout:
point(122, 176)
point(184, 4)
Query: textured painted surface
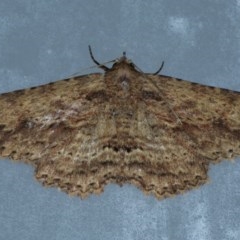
point(41, 42)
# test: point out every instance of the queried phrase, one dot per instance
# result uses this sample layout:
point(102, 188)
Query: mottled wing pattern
point(209, 131)
point(51, 126)
point(210, 116)
point(156, 132)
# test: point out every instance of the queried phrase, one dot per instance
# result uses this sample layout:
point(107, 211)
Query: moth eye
point(131, 64)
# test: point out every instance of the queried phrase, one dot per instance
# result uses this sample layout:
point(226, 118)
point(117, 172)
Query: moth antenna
point(160, 69)
point(160, 93)
point(95, 61)
point(76, 74)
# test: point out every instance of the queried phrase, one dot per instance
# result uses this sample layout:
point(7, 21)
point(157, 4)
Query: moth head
point(123, 61)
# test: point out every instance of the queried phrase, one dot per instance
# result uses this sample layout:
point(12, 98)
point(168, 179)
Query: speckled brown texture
point(156, 132)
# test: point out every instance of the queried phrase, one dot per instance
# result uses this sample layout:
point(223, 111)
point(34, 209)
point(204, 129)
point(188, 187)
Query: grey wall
point(42, 41)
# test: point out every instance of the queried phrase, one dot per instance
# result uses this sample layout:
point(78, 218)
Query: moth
point(122, 126)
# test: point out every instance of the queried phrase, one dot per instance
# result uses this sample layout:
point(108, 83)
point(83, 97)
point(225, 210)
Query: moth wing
point(210, 116)
point(35, 120)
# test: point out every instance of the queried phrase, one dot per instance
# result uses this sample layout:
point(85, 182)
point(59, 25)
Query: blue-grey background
point(42, 41)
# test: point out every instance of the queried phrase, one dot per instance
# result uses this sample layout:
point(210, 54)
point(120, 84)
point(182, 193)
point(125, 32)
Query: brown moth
point(124, 126)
